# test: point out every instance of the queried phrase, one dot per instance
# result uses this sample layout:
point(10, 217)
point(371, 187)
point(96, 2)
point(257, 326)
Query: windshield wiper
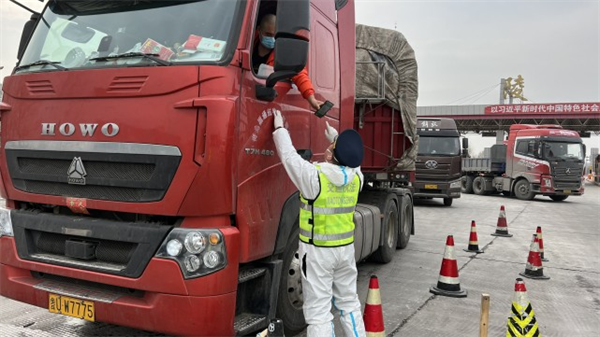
point(151, 57)
point(42, 63)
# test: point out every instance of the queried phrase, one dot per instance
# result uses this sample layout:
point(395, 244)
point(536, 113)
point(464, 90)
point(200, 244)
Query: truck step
point(251, 273)
point(246, 323)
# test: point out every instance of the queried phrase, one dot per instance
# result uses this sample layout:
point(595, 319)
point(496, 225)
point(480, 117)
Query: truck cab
point(438, 165)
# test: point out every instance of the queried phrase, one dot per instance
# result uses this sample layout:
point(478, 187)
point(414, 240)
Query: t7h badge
point(76, 172)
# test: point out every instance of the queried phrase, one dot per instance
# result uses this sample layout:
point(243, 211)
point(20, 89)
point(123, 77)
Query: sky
point(463, 48)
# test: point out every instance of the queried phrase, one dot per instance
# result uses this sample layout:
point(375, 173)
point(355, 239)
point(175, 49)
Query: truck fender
point(289, 218)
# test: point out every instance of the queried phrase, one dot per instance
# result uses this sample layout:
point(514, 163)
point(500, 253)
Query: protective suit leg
point(344, 293)
point(317, 279)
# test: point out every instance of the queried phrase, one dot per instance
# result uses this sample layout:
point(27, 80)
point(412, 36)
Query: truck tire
point(479, 186)
point(466, 184)
point(448, 201)
point(406, 221)
point(523, 190)
point(389, 230)
point(290, 301)
point(558, 197)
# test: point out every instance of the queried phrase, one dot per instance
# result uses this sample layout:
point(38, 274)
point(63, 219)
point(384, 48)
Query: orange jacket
point(301, 80)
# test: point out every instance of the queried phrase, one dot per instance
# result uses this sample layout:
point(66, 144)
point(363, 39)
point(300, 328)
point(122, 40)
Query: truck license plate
point(567, 191)
point(73, 307)
point(431, 187)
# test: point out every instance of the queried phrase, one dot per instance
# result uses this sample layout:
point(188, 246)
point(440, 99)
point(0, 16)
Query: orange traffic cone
point(373, 316)
point(541, 240)
point(473, 243)
point(533, 268)
point(448, 282)
point(502, 226)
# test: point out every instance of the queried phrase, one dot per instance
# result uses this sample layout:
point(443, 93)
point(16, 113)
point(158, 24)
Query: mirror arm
point(24, 7)
point(278, 76)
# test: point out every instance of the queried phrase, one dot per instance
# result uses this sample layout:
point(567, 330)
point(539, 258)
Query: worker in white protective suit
point(329, 193)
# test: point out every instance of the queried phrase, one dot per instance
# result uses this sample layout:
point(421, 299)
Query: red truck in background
point(537, 159)
point(141, 180)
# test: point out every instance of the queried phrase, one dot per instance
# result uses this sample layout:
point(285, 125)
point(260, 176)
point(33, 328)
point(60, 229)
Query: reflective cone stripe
point(522, 322)
point(538, 231)
point(373, 316)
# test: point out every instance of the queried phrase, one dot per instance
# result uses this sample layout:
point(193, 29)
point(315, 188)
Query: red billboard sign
point(546, 108)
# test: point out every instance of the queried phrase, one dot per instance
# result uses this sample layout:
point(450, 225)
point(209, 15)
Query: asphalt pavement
point(566, 305)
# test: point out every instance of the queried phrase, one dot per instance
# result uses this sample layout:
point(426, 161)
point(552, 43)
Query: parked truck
point(535, 160)
point(438, 166)
point(141, 180)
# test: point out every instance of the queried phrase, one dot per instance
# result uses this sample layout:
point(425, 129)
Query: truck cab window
point(75, 34)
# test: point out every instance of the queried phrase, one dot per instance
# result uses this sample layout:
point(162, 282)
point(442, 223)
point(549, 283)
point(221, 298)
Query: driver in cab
point(263, 54)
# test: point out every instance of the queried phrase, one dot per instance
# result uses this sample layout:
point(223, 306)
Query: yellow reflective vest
point(328, 220)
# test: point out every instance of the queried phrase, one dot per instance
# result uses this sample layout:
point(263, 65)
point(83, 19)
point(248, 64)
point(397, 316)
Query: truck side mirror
point(465, 143)
point(291, 45)
point(26, 34)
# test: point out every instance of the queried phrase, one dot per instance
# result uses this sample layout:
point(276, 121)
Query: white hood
point(340, 175)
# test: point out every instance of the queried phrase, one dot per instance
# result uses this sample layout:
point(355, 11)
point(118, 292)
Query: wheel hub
point(294, 282)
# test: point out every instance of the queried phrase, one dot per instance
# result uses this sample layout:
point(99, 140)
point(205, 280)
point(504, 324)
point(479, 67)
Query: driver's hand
point(314, 103)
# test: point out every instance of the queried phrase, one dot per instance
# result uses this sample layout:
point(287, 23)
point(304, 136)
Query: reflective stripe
point(324, 237)
point(328, 210)
point(354, 325)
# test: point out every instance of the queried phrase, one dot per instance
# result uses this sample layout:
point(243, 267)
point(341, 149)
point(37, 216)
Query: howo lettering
point(152, 195)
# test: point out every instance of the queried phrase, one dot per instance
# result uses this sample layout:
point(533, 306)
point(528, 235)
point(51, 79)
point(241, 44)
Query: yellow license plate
point(69, 306)
point(567, 191)
point(431, 187)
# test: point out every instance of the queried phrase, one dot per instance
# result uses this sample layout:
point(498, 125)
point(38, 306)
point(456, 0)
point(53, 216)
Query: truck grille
point(564, 180)
point(440, 173)
point(114, 171)
point(120, 248)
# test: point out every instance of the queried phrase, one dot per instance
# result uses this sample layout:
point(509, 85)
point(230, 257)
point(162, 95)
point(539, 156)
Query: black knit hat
point(348, 148)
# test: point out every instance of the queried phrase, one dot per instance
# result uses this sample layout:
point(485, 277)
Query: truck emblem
point(431, 164)
point(76, 172)
point(86, 129)
point(568, 171)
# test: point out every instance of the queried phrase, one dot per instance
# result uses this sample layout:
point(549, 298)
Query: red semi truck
point(537, 159)
point(141, 180)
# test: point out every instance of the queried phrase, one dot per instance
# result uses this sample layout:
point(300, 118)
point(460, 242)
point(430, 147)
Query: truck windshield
point(562, 151)
point(444, 146)
point(92, 33)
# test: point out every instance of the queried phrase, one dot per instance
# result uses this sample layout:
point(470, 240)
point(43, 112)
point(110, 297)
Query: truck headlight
point(547, 182)
point(6, 228)
point(455, 184)
point(197, 251)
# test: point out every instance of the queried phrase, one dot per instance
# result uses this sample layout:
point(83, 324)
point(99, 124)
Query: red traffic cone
point(502, 226)
point(473, 243)
point(541, 240)
point(448, 282)
point(373, 316)
point(533, 268)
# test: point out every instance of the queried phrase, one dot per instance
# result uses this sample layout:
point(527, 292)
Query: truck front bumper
point(435, 189)
point(159, 300)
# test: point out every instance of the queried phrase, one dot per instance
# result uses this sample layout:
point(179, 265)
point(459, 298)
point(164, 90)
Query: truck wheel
point(448, 201)
point(466, 184)
point(523, 190)
point(290, 300)
point(558, 197)
point(389, 230)
point(479, 186)
point(406, 221)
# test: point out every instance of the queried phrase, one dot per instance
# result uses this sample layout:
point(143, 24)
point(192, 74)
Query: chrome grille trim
point(94, 147)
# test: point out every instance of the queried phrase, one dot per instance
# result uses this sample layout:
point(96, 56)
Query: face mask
point(268, 42)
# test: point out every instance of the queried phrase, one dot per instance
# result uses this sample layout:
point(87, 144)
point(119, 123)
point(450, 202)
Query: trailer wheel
point(290, 300)
point(389, 230)
point(479, 186)
point(523, 190)
point(406, 221)
point(466, 184)
point(448, 201)
point(558, 197)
